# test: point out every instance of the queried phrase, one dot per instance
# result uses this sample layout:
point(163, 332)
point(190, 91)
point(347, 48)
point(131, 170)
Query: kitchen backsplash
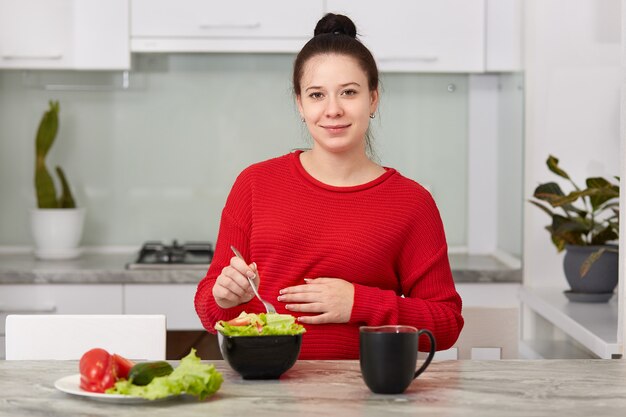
point(510, 153)
point(157, 160)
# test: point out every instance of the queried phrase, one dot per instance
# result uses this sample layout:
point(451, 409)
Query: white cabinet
point(438, 36)
point(61, 299)
point(504, 35)
point(57, 299)
point(35, 33)
point(222, 26)
point(420, 35)
point(175, 301)
point(64, 34)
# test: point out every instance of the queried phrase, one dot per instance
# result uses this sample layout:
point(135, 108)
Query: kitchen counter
point(88, 269)
point(328, 388)
point(110, 269)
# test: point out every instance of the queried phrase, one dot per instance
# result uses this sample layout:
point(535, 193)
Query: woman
point(336, 239)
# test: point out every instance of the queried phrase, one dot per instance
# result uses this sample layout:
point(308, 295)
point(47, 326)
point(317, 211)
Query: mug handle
point(431, 354)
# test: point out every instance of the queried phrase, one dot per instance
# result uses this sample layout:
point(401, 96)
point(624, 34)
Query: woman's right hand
point(232, 287)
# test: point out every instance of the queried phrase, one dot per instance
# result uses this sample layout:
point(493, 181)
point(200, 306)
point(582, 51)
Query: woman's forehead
point(332, 68)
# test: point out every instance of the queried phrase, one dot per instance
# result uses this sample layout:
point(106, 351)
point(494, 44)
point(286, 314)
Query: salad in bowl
point(264, 324)
point(260, 346)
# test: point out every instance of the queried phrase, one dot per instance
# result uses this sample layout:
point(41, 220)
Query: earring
point(373, 116)
point(302, 119)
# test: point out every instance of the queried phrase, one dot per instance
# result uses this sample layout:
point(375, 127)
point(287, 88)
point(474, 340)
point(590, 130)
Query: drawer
point(173, 300)
point(60, 299)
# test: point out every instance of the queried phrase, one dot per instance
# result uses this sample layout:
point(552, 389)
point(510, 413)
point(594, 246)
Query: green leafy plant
point(584, 217)
point(44, 185)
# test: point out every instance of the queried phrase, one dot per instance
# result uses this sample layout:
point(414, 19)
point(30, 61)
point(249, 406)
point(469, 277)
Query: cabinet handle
point(46, 57)
point(419, 58)
point(211, 26)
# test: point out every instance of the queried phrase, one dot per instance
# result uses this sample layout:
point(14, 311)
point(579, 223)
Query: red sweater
point(386, 237)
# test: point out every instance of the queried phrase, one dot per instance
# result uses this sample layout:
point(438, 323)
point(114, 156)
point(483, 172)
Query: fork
point(268, 307)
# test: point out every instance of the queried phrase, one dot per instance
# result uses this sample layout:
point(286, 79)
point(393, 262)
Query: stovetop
point(188, 255)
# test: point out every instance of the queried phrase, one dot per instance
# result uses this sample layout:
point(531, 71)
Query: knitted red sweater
point(385, 236)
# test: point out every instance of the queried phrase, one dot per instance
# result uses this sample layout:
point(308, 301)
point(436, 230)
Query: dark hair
point(336, 34)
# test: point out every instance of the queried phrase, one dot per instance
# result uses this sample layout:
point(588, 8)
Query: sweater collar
point(297, 164)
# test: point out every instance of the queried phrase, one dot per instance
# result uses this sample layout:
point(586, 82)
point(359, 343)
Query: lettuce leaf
point(189, 377)
point(271, 324)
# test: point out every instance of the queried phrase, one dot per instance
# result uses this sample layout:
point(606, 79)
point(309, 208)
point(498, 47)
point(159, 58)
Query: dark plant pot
point(602, 276)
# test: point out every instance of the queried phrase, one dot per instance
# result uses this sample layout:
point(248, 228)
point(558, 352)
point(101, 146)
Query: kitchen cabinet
point(422, 35)
point(58, 299)
point(175, 301)
point(503, 35)
point(438, 36)
point(64, 34)
point(61, 299)
point(218, 26)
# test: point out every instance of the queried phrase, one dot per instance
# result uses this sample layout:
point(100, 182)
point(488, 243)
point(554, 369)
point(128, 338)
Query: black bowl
point(260, 357)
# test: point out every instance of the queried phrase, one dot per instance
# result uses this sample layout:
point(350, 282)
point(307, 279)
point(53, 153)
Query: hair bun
point(336, 24)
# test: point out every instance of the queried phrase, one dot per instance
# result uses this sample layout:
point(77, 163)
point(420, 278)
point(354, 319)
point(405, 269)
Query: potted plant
point(57, 224)
point(585, 222)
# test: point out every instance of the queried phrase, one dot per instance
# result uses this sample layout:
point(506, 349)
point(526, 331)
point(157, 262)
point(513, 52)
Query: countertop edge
point(110, 269)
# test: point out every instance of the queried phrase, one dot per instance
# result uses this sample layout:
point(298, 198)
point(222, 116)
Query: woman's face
point(336, 103)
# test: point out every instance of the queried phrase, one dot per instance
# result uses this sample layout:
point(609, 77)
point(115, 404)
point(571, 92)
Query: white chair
point(68, 337)
point(489, 333)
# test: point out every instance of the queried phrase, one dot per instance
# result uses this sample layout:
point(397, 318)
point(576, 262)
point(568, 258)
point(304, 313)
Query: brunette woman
point(338, 240)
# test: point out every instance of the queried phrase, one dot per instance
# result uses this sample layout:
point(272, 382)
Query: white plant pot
point(57, 232)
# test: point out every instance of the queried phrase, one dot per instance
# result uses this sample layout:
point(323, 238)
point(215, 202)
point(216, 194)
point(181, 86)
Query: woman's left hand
point(331, 298)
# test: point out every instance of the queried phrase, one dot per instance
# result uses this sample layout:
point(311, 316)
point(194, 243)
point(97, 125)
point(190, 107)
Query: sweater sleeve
point(429, 299)
point(234, 230)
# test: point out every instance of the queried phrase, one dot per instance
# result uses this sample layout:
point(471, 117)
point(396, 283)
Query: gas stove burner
point(157, 255)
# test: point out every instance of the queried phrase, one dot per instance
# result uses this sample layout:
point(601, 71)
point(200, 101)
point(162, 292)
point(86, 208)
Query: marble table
point(334, 388)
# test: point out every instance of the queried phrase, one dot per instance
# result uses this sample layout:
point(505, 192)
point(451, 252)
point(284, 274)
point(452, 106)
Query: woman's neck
point(340, 170)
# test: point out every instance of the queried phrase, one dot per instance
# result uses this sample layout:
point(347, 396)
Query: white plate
point(71, 385)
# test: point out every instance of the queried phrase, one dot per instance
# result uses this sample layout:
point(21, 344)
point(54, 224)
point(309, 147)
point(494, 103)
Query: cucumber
point(144, 372)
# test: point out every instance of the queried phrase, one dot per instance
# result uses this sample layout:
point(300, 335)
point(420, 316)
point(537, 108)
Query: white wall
point(572, 63)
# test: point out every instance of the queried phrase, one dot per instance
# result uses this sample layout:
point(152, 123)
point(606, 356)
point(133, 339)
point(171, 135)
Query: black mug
point(389, 357)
